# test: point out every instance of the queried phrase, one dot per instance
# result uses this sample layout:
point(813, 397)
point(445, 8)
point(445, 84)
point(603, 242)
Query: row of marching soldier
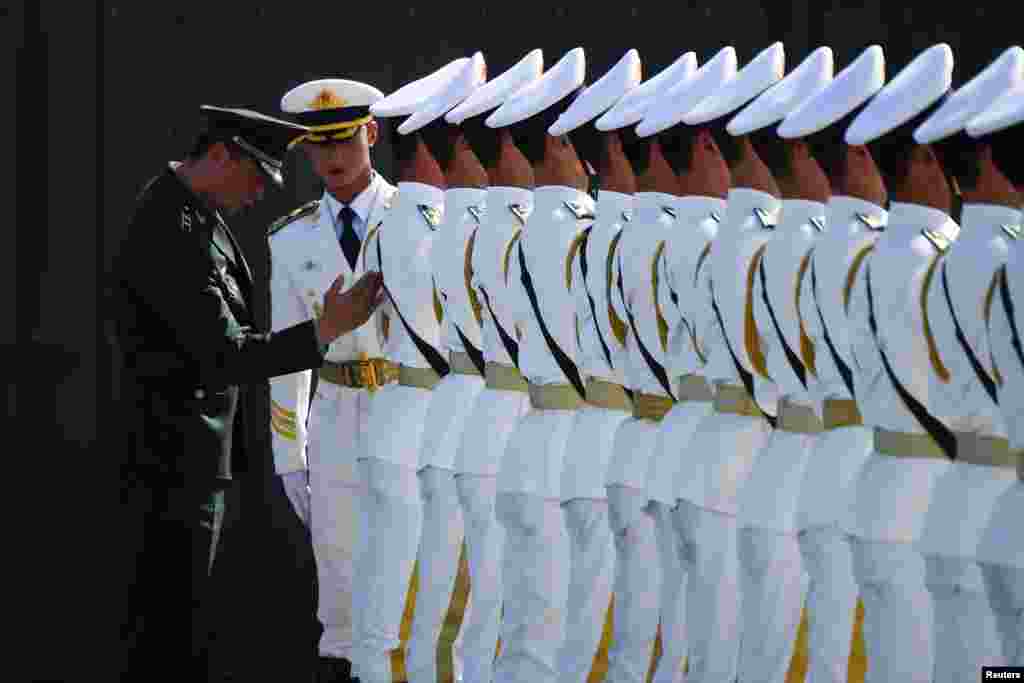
point(760, 374)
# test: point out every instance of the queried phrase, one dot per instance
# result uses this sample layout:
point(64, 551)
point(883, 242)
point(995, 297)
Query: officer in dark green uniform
point(182, 298)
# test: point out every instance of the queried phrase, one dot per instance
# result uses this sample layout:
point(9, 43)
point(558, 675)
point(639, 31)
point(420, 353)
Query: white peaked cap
point(635, 103)
point(565, 77)
point(973, 97)
point(813, 74)
point(852, 87)
point(762, 72)
point(1007, 111)
point(672, 106)
point(410, 96)
point(328, 93)
point(494, 93)
point(471, 77)
point(914, 89)
point(601, 95)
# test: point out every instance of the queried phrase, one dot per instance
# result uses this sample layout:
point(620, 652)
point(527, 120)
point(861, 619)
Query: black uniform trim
point(979, 370)
point(745, 376)
point(569, 368)
point(1008, 307)
point(432, 355)
point(593, 307)
point(794, 361)
point(656, 368)
point(844, 370)
point(938, 431)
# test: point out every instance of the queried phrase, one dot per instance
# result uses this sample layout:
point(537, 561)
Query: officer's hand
point(346, 311)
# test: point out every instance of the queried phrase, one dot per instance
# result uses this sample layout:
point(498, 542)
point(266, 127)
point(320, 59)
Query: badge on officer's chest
point(1013, 231)
point(767, 221)
point(627, 216)
point(578, 210)
point(818, 224)
point(475, 212)
point(430, 214)
point(715, 217)
point(669, 210)
point(519, 212)
point(873, 222)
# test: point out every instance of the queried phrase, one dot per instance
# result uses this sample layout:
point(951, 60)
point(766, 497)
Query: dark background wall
point(104, 94)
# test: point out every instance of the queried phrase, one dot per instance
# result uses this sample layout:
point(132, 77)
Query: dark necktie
point(349, 239)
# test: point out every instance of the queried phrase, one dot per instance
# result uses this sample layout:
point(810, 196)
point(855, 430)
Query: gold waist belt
point(841, 412)
point(735, 400)
point(651, 406)
point(695, 388)
point(905, 445)
point(607, 395)
point(992, 451)
point(798, 419)
point(503, 378)
point(369, 373)
point(421, 378)
point(461, 364)
point(554, 397)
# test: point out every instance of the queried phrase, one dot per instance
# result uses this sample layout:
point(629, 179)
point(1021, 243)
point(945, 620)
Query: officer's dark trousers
point(173, 603)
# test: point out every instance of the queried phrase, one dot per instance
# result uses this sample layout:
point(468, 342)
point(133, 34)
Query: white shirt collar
point(362, 202)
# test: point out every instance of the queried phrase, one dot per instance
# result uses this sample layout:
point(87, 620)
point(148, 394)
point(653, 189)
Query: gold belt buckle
point(364, 374)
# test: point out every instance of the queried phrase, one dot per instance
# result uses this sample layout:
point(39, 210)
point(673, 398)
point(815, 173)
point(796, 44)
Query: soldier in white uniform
point(599, 353)
point(503, 400)
point(1001, 551)
point(965, 636)
point(399, 248)
point(772, 581)
point(702, 182)
point(724, 443)
point(536, 548)
point(453, 397)
point(640, 557)
point(854, 219)
point(893, 343)
point(307, 248)
point(621, 119)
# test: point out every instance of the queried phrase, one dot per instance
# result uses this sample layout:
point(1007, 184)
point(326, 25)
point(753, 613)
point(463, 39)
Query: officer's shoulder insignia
point(669, 210)
point(1012, 231)
point(938, 240)
point(301, 212)
point(872, 222)
point(476, 213)
point(767, 221)
point(431, 214)
point(818, 224)
point(578, 210)
point(627, 216)
point(715, 217)
point(519, 211)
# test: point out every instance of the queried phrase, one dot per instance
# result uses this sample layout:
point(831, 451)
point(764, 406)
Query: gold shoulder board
point(938, 240)
point(301, 212)
point(578, 210)
point(430, 214)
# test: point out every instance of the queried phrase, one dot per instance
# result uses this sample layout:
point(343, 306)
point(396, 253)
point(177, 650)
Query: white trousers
point(393, 514)
point(831, 602)
point(675, 575)
point(713, 601)
point(897, 611)
point(965, 635)
point(1004, 586)
point(535, 572)
point(772, 586)
point(637, 584)
point(591, 568)
point(337, 424)
point(438, 561)
point(484, 542)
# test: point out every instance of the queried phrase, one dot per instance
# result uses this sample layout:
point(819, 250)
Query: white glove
point(296, 485)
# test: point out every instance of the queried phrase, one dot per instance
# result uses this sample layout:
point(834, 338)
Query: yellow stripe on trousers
point(460, 595)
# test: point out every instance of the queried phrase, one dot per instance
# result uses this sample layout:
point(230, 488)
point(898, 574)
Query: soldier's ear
point(372, 131)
